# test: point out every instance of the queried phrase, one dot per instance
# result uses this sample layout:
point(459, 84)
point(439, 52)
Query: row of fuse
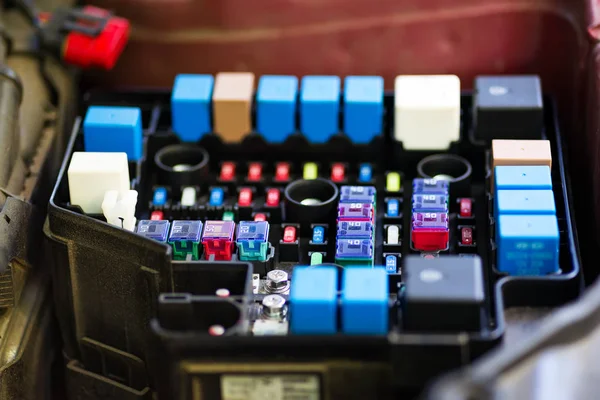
point(355, 226)
point(189, 197)
point(429, 222)
point(216, 237)
point(282, 173)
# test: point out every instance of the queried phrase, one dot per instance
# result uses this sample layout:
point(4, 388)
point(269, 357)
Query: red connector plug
point(86, 37)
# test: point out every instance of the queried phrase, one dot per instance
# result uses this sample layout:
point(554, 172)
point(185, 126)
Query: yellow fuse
point(392, 182)
point(310, 171)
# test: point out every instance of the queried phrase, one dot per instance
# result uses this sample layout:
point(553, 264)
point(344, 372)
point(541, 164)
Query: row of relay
point(427, 110)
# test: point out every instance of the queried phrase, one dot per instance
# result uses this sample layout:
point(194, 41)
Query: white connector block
point(91, 175)
point(119, 208)
point(427, 111)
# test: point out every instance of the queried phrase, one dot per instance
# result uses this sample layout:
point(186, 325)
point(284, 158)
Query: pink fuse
point(358, 211)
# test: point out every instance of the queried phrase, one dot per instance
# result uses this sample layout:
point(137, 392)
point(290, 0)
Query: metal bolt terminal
point(273, 306)
point(277, 281)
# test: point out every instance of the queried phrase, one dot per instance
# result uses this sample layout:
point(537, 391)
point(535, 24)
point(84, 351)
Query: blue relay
point(114, 129)
point(191, 106)
point(364, 301)
point(524, 177)
point(253, 240)
point(314, 300)
point(357, 194)
point(157, 230)
point(319, 107)
point(363, 108)
point(524, 202)
point(276, 107)
point(527, 244)
point(355, 229)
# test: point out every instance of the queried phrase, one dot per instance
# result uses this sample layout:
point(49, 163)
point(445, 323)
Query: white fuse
point(188, 196)
point(393, 235)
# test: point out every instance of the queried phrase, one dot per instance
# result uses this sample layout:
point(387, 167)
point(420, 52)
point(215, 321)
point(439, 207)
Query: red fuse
point(245, 197)
point(430, 231)
point(227, 171)
point(260, 217)
point(466, 208)
point(466, 236)
point(289, 234)
point(217, 239)
point(338, 172)
point(273, 197)
point(254, 172)
point(282, 172)
point(157, 215)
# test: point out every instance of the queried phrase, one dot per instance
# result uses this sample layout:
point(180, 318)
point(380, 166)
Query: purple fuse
point(430, 220)
point(355, 229)
point(359, 211)
point(430, 186)
point(357, 194)
point(354, 249)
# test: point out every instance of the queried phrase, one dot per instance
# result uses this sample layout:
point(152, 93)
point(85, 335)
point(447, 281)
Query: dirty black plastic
point(108, 281)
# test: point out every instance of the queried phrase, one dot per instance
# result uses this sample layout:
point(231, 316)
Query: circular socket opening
point(181, 158)
point(448, 167)
point(310, 193)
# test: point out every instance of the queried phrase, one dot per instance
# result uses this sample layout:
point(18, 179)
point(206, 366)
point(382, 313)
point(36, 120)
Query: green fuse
point(253, 240)
point(228, 216)
point(316, 258)
point(185, 239)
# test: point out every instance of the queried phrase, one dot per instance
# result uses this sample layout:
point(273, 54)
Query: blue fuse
point(216, 197)
point(185, 239)
point(319, 107)
point(318, 236)
point(276, 107)
point(114, 129)
point(363, 108)
point(393, 208)
point(357, 194)
point(430, 186)
point(365, 173)
point(430, 202)
point(160, 196)
point(391, 264)
point(253, 240)
point(351, 252)
point(191, 106)
point(157, 230)
point(355, 229)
